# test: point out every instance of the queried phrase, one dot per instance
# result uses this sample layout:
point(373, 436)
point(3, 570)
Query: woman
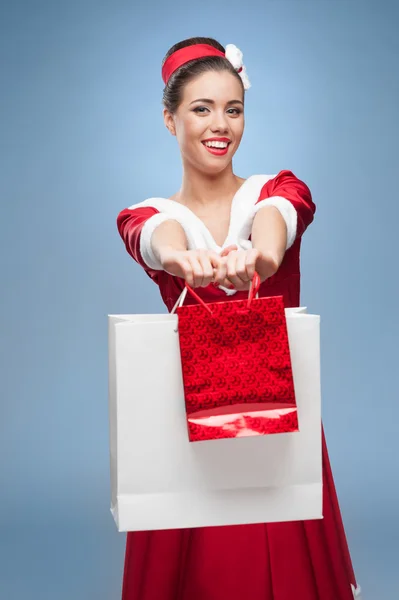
point(214, 233)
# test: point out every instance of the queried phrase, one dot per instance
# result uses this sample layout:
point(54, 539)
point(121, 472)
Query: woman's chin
point(216, 167)
point(216, 164)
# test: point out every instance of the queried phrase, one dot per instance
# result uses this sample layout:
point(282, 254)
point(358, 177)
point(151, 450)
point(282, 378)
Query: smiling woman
point(213, 233)
point(217, 145)
point(210, 113)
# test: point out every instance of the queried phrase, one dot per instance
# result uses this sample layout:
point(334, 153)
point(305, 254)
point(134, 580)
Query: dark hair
point(172, 93)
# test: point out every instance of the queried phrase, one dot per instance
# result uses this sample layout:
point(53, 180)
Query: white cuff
point(356, 592)
point(146, 250)
point(287, 211)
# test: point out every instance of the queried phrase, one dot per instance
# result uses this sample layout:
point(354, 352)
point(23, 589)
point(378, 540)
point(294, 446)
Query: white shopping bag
point(159, 480)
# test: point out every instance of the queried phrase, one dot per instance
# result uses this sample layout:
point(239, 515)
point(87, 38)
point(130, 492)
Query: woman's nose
point(220, 123)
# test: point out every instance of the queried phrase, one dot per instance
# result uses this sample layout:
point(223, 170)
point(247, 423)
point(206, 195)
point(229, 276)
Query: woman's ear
point(169, 121)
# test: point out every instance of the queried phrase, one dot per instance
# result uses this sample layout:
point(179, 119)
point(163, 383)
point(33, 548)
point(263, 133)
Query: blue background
point(81, 138)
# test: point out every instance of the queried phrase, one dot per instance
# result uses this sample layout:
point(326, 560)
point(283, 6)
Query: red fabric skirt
point(301, 560)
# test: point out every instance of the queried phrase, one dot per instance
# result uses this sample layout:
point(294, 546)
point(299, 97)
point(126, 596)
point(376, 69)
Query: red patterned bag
point(236, 367)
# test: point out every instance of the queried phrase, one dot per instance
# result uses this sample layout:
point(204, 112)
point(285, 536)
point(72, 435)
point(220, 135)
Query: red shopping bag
point(236, 367)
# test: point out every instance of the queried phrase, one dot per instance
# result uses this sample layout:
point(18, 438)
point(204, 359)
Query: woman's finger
point(197, 271)
point(232, 275)
point(243, 286)
point(228, 249)
point(204, 259)
point(241, 266)
point(251, 258)
point(220, 273)
point(215, 258)
point(185, 271)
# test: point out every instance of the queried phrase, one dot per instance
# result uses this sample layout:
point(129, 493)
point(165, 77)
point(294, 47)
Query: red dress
point(301, 560)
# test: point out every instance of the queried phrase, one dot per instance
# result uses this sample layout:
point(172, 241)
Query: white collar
point(198, 234)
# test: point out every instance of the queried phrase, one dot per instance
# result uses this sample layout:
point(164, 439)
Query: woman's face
point(212, 107)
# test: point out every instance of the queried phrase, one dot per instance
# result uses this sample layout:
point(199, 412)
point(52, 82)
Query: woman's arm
point(281, 215)
point(168, 237)
point(169, 244)
point(293, 200)
point(269, 238)
point(285, 209)
point(158, 242)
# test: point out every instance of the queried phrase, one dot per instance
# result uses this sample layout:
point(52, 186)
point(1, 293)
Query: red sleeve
point(130, 222)
point(288, 186)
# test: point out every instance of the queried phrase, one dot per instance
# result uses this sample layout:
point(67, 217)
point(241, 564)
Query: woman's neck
point(199, 189)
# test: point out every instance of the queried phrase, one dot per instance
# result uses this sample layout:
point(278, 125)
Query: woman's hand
point(196, 267)
point(238, 267)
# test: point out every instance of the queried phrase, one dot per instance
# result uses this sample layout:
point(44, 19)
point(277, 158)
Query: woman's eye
point(202, 109)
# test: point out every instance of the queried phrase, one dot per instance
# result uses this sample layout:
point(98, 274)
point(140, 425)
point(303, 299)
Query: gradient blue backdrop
point(81, 138)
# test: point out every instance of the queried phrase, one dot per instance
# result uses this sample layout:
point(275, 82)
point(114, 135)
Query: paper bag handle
point(253, 292)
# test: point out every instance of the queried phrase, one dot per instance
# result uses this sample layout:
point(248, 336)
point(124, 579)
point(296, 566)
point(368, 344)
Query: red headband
point(184, 55)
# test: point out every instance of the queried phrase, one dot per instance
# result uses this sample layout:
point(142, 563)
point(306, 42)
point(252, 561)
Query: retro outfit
point(301, 560)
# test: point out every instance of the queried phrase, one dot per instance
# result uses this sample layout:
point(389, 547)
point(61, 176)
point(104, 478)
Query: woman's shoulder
point(267, 184)
point(151, 201)
point(283, 175)
point(281, 182)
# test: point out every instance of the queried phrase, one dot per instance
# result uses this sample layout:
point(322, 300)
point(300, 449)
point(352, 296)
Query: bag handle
point(254, 289)
point(253, 293)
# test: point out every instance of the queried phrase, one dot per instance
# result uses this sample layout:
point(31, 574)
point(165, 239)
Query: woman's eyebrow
point(209, 101)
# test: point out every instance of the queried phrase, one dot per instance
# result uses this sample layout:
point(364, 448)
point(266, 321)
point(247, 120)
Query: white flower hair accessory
point(234, 55)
